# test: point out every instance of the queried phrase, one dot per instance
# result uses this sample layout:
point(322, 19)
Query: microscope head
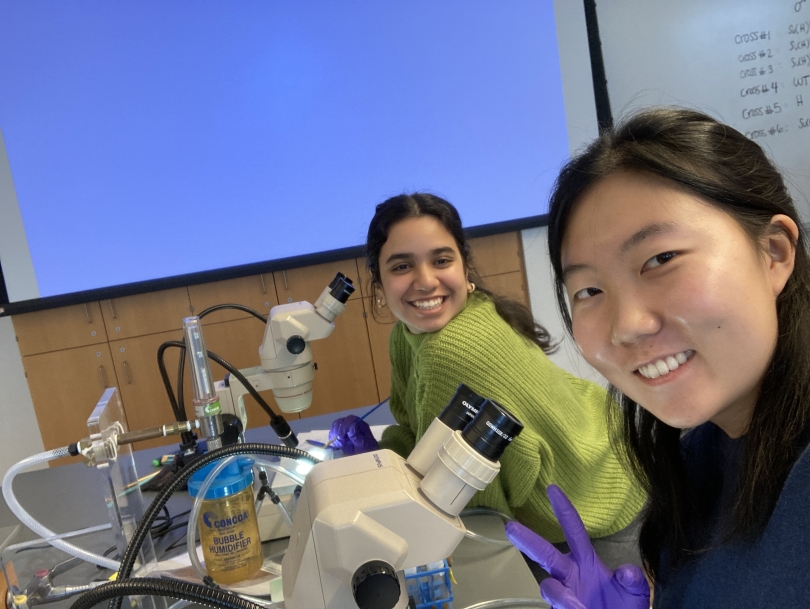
point(285, 351)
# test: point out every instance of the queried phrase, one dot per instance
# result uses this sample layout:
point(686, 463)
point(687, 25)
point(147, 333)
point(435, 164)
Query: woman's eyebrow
point(401, 256)
point(572, 270)
point(408, 256)
point(650, 230)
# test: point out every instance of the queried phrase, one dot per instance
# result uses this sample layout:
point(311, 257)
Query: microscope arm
point(286, 357)
point(232, 393)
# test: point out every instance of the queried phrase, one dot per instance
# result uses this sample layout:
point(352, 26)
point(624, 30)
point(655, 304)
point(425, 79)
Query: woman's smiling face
point(422, 274)
point(672, 301)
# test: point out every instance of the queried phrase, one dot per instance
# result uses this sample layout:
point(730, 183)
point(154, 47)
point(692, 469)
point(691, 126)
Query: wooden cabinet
point(143, 394)
point(56, 329)
point(238, 342)
point(499, 260)
point(497, 254)
point(71, 354)
point(344, 377)
point(363, 280)
point(257, 292)
point(307, 283)
point(379, 323)
point(145, 313)
point(509, 284)
point(65, 387)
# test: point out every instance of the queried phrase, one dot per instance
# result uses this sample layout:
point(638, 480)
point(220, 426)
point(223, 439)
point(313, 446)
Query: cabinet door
point(145, 313)
point(56, 329)
point(238, 342)
point(307, 283)
point(379, 324)
point(509, 284)
point(497, 254)
point(65, 387)
point(344, 377)
point(142, 391)
point(363, 281)
point(257, 292)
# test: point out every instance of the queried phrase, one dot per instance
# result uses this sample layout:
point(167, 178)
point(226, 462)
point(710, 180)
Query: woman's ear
point(378, 295)
point(780, 246)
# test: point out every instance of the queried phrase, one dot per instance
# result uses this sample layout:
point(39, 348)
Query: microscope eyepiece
point(468, 460)
point(462, 408)
point(492, 430)
point(341, 288)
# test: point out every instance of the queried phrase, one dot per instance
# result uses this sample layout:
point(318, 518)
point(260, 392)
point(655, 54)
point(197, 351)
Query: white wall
point(544, 304)
point(19, 431)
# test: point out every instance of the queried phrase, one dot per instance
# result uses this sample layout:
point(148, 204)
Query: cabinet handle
point(87, 314)
point(103, 376)
point(112, 308)
point(264, 288)
point(284, 274)
point(126, 373)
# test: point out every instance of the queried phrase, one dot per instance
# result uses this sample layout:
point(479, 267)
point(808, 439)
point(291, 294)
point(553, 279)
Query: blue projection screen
point(148, 140)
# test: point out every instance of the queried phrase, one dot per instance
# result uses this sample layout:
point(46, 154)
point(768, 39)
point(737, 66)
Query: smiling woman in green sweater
point(451, 330)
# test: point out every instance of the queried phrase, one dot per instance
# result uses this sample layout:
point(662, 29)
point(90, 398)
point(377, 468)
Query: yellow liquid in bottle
point(229, 535)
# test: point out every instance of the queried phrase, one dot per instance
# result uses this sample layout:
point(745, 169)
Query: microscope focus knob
point(296, 344)
point(375, 585)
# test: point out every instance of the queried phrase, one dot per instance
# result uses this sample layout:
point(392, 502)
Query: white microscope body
point(362, 520)
point(355, 516)
point(286, 356)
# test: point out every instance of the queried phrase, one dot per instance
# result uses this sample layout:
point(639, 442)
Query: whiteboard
point(745, 62)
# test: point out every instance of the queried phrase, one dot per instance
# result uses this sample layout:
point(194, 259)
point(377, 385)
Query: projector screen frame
point(604, 119)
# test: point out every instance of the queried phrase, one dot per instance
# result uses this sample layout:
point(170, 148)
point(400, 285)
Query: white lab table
point(69, 498)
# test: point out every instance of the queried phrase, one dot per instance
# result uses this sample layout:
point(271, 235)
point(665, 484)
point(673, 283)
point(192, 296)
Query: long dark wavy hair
point(401, 207)
point(702, 156)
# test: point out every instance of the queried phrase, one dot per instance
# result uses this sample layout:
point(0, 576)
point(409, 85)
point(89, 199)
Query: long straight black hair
point(404, 206)
point(702, 156)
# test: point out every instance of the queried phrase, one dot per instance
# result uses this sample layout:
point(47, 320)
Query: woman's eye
point(443, 261)
point(585, 293)
point(399, 268)
point(658, 260)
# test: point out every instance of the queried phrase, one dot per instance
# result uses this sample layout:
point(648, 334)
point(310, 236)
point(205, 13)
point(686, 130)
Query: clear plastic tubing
point(44, 532)
point(35, 542)
point(276, 467)
point(292, 476)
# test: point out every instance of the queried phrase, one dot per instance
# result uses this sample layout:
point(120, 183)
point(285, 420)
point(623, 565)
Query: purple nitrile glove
point(352, 436)
point(580, 579)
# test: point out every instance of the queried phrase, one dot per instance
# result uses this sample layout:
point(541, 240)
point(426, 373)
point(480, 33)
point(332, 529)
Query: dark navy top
point(774, 571)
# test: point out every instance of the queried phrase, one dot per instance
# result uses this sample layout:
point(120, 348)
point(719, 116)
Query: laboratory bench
point(69, 498)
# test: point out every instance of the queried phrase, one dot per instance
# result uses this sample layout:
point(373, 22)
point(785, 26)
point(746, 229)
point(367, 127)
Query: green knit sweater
point(565, 438)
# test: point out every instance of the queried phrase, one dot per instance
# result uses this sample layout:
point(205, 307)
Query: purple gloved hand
point(580, 579)
point(352, 436)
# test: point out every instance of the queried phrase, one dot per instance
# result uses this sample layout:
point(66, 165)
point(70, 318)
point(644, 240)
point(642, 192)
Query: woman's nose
point(425, 278)
point(632, 319)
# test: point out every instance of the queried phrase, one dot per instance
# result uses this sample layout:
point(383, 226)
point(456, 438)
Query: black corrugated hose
point(177, 481)
point(203, 595)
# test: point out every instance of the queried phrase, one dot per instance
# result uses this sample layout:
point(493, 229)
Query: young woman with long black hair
point(682, 273)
